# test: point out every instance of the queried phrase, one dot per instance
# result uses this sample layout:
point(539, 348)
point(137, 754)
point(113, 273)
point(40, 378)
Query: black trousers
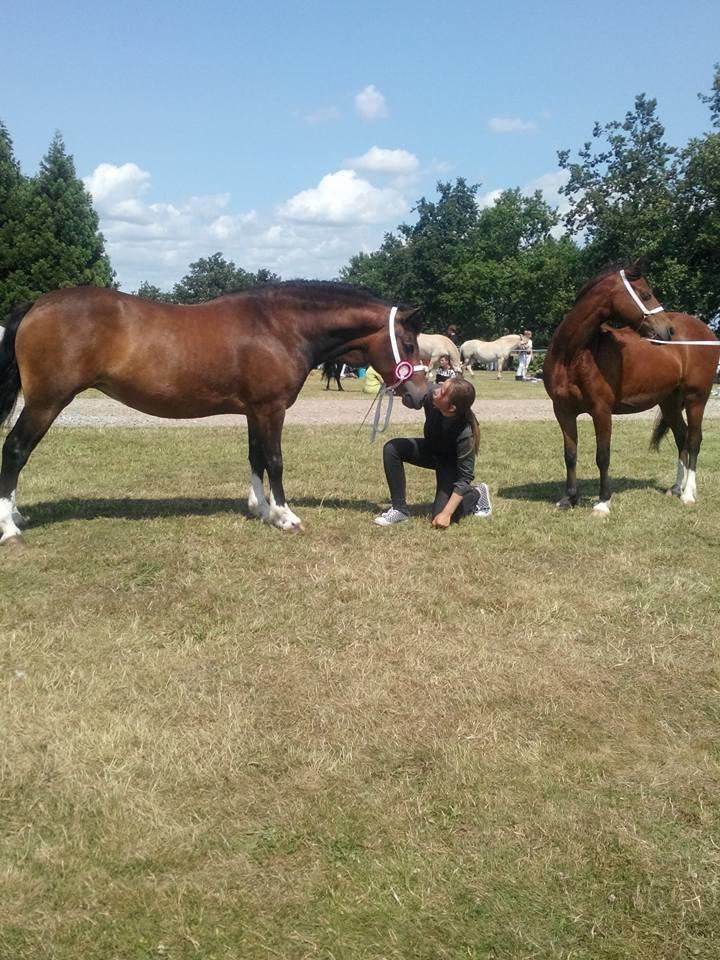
point(402, 450)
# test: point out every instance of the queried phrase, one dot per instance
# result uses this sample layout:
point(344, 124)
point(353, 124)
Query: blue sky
point(293, 135)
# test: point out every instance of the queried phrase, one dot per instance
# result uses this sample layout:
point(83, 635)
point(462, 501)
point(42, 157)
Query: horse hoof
point(601, 510)
point(564, 504)
point(296, 528)
point(688, 502)
point(17, 541)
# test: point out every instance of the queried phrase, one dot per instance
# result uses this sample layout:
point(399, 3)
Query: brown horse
point(247, 352)
point(593, 368)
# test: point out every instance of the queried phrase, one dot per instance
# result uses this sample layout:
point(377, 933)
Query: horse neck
point(328, 337)
point(579, 325)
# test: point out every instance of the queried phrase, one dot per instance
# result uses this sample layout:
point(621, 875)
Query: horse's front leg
point(499, 364)
point(602, 420)
point(267, 427)
point(257, 503)
point(568, 425)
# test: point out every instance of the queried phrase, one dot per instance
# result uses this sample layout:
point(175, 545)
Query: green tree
point(514, 273)
point(61, 245)
point(149, 291)
point(211, 277)
point(621, 192)
point(697, 217)
point(11, 183)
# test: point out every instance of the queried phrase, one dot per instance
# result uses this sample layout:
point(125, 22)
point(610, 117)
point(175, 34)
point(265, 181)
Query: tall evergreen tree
point(11, 183)
point(61, 245)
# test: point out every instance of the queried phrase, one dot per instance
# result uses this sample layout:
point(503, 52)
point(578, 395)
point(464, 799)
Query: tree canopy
point(49, 236)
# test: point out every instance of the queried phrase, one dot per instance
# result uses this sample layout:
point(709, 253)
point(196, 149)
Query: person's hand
point(441, 521)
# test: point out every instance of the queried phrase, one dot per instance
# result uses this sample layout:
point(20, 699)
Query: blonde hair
point(462, 397)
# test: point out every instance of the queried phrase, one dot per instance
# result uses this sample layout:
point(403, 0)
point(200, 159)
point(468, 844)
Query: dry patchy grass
point(220, 741)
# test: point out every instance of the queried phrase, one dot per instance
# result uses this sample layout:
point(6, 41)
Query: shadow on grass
point(57, 511)
point(587, 489)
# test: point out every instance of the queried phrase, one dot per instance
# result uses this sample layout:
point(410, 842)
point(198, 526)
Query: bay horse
point(247, 352)
point(489, 351)
point(591, 367)
point(331, 370)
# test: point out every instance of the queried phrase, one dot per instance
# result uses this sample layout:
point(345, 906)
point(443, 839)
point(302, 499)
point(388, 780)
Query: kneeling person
point(449, 444)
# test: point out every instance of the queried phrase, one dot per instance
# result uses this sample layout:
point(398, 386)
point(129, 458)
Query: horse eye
point(409, 347)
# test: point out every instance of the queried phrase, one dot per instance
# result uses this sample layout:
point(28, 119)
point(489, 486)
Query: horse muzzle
point(413, 394)
point(657, 329)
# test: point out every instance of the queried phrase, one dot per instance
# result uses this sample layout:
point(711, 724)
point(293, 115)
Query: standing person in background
point(452, 333)
point(525, 355)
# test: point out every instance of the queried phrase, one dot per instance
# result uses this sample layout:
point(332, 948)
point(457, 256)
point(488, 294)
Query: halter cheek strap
point(636, 298)
point(403, 368)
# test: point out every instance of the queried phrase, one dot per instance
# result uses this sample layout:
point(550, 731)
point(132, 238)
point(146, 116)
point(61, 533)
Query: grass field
point(221, 741)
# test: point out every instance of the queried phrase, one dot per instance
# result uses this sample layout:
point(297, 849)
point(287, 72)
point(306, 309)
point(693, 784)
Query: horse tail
point(659, 430)
point(9, 370)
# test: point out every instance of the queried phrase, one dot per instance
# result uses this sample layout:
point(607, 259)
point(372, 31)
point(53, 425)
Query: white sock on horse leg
point(257, 504)
point(282, 517)
point(8, 527)
point(689, 493)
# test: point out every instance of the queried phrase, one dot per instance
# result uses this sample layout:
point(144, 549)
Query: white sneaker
point(484, 506)
point(390, 517)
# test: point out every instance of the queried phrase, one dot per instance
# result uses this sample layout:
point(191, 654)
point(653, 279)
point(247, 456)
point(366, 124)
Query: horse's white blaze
point(602, 508)
point(257, 504)
point(282, 517)
point(8, 526)
point(689, 493)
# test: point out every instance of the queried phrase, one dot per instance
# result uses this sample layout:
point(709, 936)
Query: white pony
point(493, 351)
point(432, 346)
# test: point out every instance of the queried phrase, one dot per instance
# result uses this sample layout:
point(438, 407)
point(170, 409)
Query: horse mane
point(321, 292)
point(632, 272)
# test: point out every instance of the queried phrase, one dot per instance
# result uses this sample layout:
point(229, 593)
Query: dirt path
point(310, 411)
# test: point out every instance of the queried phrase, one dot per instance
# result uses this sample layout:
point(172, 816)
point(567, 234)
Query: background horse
point(247, 352)
point(331, 370)
point(593, 368)
point(489, 351)
point(433, 345)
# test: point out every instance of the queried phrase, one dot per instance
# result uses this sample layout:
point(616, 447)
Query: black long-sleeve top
point(451, 440)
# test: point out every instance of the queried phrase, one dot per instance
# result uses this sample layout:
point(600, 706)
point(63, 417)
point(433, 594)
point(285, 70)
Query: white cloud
point(370, 104)
point(379, 160)
point(344, 198)
point(488, 199)
point(313, 234)
point(320, 117)
point(511, 125)
point(549, 184)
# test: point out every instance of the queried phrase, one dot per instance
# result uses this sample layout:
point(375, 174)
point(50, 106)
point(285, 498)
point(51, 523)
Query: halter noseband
point(636, 298)
point(403, 368)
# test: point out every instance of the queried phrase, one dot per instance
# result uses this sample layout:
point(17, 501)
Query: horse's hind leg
point(671, 411)
point(30, 428)
point(694, 409)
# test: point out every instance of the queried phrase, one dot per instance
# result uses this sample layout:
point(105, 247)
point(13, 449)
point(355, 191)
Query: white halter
point(636, 298)
point(649, 313)
point(403, 368)
point(403, 371)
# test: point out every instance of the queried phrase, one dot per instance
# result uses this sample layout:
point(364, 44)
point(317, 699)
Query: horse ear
point(637, 268)
point(413, 319)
